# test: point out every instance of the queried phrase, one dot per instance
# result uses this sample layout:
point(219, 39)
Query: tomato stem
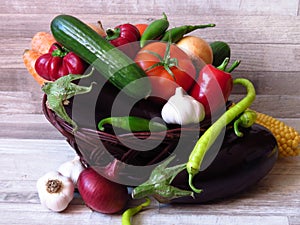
point(167, 62)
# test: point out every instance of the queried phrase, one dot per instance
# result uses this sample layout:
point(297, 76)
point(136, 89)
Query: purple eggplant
point(240, 164)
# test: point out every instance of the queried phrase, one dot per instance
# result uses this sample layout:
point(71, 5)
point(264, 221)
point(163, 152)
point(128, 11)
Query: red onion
point(101, 194)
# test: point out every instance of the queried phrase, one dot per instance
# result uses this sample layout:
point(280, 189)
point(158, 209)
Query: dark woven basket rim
point(67, 130)
point(87, 134)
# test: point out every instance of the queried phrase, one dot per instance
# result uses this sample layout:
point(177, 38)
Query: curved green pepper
point(247, 119)
point(176, 33)
point(132, 123)
point(154, 30)
point(211, 134)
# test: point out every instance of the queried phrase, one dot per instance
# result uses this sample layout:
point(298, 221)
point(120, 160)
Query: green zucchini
point(108, 60)
point(221, 50)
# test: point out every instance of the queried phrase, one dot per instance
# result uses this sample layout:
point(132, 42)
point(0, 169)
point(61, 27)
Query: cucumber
point(109, 61)
point(221, 50)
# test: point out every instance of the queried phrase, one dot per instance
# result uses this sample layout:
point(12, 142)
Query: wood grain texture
point(154, 7)
point(272, 201)
point(233, 28)
point(264, 35)
point(254, 57)
point(266, 45)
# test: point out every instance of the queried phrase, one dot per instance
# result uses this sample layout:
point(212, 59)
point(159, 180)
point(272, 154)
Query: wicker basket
point(92, 146)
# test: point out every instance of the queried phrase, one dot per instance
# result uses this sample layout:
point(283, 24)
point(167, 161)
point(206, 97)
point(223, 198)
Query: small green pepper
point(154, 30)
point(132, 123)
point(177, 33)
point(126, 216)
point(247, 119)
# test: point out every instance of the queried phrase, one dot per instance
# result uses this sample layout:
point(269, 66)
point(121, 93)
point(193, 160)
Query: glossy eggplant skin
point(240, 164)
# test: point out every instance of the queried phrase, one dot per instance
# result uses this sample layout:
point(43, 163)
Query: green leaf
point(159, 183)
point(59, 91)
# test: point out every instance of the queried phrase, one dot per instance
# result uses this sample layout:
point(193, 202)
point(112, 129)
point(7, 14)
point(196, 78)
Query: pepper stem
point(165, 16)
point(234, 65)
point(191, 28)
point(59, 53)
point(224, 64)
point(113, 34)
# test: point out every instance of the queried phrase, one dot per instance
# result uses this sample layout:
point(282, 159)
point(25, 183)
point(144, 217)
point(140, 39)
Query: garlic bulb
point(71, 169)
point(182, 109)
point(55, 191)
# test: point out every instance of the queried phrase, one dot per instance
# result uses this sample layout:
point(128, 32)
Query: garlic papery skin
point(71, 169)
point(182, 109)
point(55, 191)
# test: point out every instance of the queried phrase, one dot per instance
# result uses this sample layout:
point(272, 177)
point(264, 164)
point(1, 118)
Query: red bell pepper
point(213, 86)
point(122, 35)
point(59, 62)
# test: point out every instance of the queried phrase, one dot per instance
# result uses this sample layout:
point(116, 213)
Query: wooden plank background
point(264, 35)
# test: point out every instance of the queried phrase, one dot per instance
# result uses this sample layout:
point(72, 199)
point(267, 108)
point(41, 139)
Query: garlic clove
point(199, 111)
point(57, 203)
point(55, 191)
point(170, 109)
point(182, 109)
point(71, 169)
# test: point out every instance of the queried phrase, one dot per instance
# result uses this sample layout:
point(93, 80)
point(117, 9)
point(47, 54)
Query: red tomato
point(162, 81)
point(141, 27)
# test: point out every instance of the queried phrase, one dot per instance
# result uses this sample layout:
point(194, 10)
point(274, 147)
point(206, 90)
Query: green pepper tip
point(101, 128)
point(191, 176)
point(236, 128)
point(165, 16)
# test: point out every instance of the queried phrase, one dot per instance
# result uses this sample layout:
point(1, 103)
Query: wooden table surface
point(265, 35)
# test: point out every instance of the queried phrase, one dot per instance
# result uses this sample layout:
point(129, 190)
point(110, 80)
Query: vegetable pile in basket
point(188, 76)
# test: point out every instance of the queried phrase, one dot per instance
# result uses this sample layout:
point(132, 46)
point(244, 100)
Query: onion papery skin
point(101, 194)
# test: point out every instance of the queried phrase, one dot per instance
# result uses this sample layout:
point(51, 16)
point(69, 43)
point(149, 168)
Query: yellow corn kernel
point(288, 139)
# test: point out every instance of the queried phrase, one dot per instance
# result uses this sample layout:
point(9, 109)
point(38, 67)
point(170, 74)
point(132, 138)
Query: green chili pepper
point(154, 30)
point(126, 217)
point(211, 134)
point(247, 119)
point(177, 33)
point(132, 123)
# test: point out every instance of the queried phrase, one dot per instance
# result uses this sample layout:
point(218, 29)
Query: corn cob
point(288, 139)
